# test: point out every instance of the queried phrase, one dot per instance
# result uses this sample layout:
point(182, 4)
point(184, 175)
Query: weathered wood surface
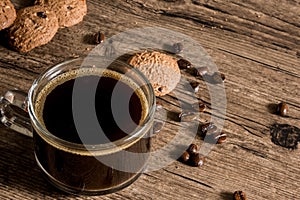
point(255, 43)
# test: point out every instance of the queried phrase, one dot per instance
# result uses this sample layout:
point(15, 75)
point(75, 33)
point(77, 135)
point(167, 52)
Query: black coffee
point(58, 114)
point(75, 171)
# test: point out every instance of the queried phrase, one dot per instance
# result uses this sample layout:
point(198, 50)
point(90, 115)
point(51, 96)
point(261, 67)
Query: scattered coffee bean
point(196, 86)
point(193, 71)
point(208, 127)
point(196, 160)
point(283, 109)
point(285, 135)
point(177, 48)
point(99, 37)
point(199, 106)
point(239, 195)
point(187, 116)
point(218, 78)
point(223, 77)
point(184, 64)
point(157, 126)
point(185, 157)
point(41, 15)
point(220, 138)
point(212, 137)
point(193, 148)
point(192, 157)
point(201, 71)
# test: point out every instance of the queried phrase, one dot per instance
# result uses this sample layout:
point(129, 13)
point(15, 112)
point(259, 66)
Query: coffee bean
point(184, 64)
point(185, 157)
point(208, 127)
point(223, 77)
point(196, 160)
point(99, 37)
point(41, 15)
point(218, 78)
point(205, 127)
point(187, 116)
point(196, 86)
point(157, 126)
point(193, 148)
point(283, 109)
point(201, 107)
point(213, 136)
point(177, 48)
point(239, 195)
point(201, 71)
point(193, 71)
point(221, 137)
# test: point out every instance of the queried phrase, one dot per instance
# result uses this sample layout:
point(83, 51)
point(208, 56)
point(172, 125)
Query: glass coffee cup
point(91, 121)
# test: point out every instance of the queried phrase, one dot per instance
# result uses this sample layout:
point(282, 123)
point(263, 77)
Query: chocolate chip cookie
point(33, 27)
point(7, 14)
point(68, 12)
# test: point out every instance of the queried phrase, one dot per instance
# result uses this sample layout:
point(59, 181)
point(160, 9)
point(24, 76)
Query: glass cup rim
point(109, 147)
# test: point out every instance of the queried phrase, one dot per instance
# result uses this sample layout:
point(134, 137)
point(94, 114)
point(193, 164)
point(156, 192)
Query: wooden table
point(255, 43)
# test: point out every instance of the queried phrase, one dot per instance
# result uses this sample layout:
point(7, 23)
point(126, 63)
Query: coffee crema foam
point(51, 85)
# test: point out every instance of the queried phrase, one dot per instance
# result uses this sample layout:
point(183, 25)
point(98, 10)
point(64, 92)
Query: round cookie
point(68, 12)
point(33, 27)
point(161, 70)
point(7, 14)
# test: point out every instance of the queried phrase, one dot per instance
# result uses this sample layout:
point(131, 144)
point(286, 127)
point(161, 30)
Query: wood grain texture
point(255, 43)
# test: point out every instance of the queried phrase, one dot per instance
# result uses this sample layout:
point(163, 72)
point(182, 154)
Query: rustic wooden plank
point(254, 43)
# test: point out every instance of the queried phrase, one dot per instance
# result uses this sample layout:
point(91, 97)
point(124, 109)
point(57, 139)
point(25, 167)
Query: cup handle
point(14, 113)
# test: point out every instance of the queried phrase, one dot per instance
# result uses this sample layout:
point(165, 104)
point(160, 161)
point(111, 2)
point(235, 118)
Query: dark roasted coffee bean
point(285, 135)
point(201, 71)
point(213, 136)
point(196, 160)
point(199, 107)
point(218, 78)
point(157, 126)
point(41, 15)
point(193, 71)
point(223, 77)
point(185, 157)
point(239, 195)
point(220, 138)
point(193, 148)
point(187, 116)
point(283, 109)
point(202, 107)
point(99, 37)
point(184, 64)
point(196, 86)
point(177, 48)
point(208, 127)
